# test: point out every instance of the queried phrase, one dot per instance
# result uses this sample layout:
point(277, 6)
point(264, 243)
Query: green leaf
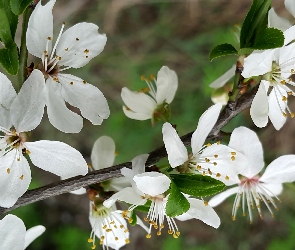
point(12, 18)
point(222, 50)
point(255, 23)
point(5, 33)
point(9, 59)
point(19, 6)
point(177, 204)
point(269, 39)
point(197, 185)
point(145, 207)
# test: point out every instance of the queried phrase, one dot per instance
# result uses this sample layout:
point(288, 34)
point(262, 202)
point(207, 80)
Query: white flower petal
point(79, 191)
point(12, 233)
point(224, 164)
point(199, 211)
point(289, 35)
point(59, 115)
point(40, 28)
point(259, 107)
point(117, 184)
point(167, 84)
point(276, 108)
point(205, 125)
point(7, 92)
point(247, 142)
point(290, 6)
point(280, 170)
point(138, 102)
point(5, 120)
point(136, 116)
point(103, 153)
point(138, 164)
point(127, 194)
point(152, 183)
point(15, 177)
point(79, 44)
point(222, 80)
point(57, 158)
point(258, 63)
point(33, 233)
point(177, 152)
point(86, 97)
point(272, 189)
point(276, 21)
point(28, 107)
point(219, 198)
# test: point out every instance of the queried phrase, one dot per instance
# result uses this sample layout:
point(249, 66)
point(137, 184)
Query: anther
point(215, 156)
point(206, 203)
point(208, 144)
point(28, 151)
point(284, 98)
point(21, 177)
point(292, 115)
point(71, 83)
point(290, 92)
point(86, 51)
point(49, 38)
point(148, 236)
point(84, 81)
point(77, 39)
point(226, 177)
point(233, 158)
point(284, 114)
point(142, 77)
point(218, 175)
point(127, 241)
point(90, 240)
point(8, 170)
point(215, 163)
point(283, 82)
point(207, 160)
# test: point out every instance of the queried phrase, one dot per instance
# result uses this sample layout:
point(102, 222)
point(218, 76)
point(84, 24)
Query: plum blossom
point(218, 161)
point(251, 188)
point(13, 233)
point(151, 102)
point(109, 226)
point(275, 66)
point(153, 187)
point(22, 116)
point(73, 49)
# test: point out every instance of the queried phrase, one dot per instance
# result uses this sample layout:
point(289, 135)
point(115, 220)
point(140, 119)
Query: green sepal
point(9, 59)
point(222, 50)
point(133, 218)
point(255, 23)
point(177, 204)
point(197, 184)
point(19, 6)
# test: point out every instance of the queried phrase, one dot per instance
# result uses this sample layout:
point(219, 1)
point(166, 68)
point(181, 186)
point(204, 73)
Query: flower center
point(11, 140)
point(251, 193)
point(108, 226)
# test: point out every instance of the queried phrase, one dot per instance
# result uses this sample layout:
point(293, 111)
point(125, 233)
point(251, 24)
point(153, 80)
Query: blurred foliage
point(142, 37)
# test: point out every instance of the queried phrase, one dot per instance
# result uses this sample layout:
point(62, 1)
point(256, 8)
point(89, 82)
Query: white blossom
point(151, 102)
point(219, 161)
point(22, 116)
point(13, 234)
point(275, 66)
point(251, 188)
point(73, 49)
point(109, 226)
point(153, 187)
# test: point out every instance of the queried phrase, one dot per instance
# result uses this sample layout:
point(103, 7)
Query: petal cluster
point(13, 234)
point(151, 102)
point(218, 161)
point(251, 188)
point(73, 49)
point(23, 114)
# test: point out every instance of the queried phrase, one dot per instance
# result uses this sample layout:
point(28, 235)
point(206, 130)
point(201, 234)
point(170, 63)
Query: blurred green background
point(144, 35)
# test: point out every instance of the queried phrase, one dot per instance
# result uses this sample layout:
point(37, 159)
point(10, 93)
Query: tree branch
point(65, 186)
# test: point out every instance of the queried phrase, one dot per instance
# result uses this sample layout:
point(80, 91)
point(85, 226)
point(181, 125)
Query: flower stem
point(22, 73)
point(234, 95)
